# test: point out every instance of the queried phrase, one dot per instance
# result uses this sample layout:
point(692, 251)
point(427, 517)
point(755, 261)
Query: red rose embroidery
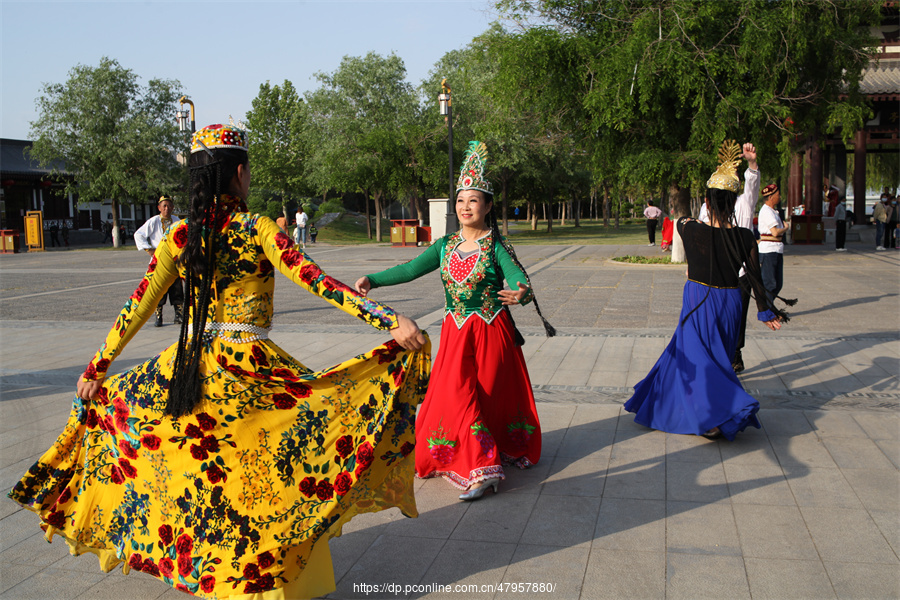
point(260, 356)
point(116, 475)
point(180, 236)
point(285, 374)
point(90, 373)
point(334, 285)
point(103, 365)
point(150, 567)
point(108, 424)
point(310, 273)
point(127, 449)
point(127, 468)
point(282, 241)
point(64, 497)
point(56, 519)
point(139, 292)
point(407, 448)
point(299, 390)
point(193, 431)
point(103, 396)
point(342, 483)
point(344, 446)
point(185, 565)
point(152, 266)
point(265, 267)
point(251, 571)
point(215, 474)
point(198, 452)
point(184, 545)
point(165, 535)
point(210, 443)
point(365, 455)
point(207, 583)
point(264, 583)
point(324, 490)
point(166, 566)
point(136, 561)
point(92, 418)
point(284, 401)
point(206, 422)
point(265, 560)
point(151, 442)
point(292, 258)
point(308, 487)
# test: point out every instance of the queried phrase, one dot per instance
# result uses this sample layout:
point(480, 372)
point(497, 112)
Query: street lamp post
point(447, 111)
point(182, 115)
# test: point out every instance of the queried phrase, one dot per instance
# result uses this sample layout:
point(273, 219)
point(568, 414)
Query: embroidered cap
point(769, 190)
point(726, 177)
point(471, 176)
point(219, 136)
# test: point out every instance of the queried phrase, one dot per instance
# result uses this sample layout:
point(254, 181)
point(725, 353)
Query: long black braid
point(495, 232)
point(209, 171)
point(720, 205)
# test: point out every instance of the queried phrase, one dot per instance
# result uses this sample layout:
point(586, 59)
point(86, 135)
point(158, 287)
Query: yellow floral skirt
point(230, 501)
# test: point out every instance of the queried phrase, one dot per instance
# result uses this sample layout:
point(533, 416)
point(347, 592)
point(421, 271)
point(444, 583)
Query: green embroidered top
point(476, 294)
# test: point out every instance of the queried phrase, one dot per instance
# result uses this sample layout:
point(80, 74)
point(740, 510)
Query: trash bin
point(404, 232)
point(807, 229)
point(9, 241)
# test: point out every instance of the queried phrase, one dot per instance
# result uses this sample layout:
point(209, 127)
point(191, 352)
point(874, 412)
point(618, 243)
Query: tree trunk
point(606, 201)
point(533, 210)
point(550, 214)
point(116, 237)
point(576, 212)
point(368, 220)
point(377, 198)
point(505, 230)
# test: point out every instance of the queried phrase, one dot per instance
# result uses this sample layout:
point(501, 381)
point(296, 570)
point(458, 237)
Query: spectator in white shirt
point(147, 238)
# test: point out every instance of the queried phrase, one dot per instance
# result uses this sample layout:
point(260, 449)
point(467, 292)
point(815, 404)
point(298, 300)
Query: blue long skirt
point(692, 388)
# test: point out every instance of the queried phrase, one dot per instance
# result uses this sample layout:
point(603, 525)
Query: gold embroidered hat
point(726, 177)
point(471, 176)
point(219, 136)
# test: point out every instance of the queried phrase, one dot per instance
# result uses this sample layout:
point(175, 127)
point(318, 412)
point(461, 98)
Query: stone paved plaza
point(807, 507)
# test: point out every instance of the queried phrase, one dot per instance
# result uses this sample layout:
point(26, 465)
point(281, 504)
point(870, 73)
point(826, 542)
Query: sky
point(220, 51)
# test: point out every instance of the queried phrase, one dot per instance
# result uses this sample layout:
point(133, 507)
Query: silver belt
point(214, 329)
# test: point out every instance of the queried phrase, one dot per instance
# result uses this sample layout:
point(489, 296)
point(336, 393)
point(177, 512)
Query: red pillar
point(814, 178)
point(859, 176)
point(795, 182)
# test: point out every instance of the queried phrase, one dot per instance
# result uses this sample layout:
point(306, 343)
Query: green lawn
point(588, 233)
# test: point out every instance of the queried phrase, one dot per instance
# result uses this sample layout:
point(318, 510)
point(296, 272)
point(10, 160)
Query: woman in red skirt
point(479, 410)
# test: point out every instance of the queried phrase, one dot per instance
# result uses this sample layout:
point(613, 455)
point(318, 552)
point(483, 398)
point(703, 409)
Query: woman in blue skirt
point(692, 388)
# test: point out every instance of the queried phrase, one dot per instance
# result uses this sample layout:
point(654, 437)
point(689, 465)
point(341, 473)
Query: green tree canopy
point(116, 137)
point(278, 150)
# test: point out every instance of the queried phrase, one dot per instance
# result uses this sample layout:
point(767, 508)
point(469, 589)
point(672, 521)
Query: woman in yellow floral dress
point(223, 465)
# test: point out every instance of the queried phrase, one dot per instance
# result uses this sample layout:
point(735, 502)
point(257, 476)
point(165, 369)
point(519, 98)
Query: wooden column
point(814, 179)
point(859, 177)
point(795, 182)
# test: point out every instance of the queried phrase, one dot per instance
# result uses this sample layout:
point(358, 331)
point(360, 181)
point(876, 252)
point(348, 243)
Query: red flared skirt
point(479, 410)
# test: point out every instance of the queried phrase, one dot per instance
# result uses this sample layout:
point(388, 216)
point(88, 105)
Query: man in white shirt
point(147, 238)
point(771, 246)
point(652, 214)
point(300, 233)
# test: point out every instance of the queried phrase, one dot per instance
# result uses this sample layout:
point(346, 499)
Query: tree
point(117, 138)
point(356, 117)
point(278, 149)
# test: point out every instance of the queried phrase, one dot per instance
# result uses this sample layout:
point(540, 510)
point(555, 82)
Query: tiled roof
point(883, 78)
point(13, 160)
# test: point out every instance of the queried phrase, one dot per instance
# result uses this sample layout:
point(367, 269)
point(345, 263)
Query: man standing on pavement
point(147, 238)
point(840, 220)
point(300, 233)
point(651, 213)
point(880, 216)
point(771, 247)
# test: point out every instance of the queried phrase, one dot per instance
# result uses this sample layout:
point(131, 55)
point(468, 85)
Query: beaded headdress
point(726, 177)
point(471, 176)
point(219, 136)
